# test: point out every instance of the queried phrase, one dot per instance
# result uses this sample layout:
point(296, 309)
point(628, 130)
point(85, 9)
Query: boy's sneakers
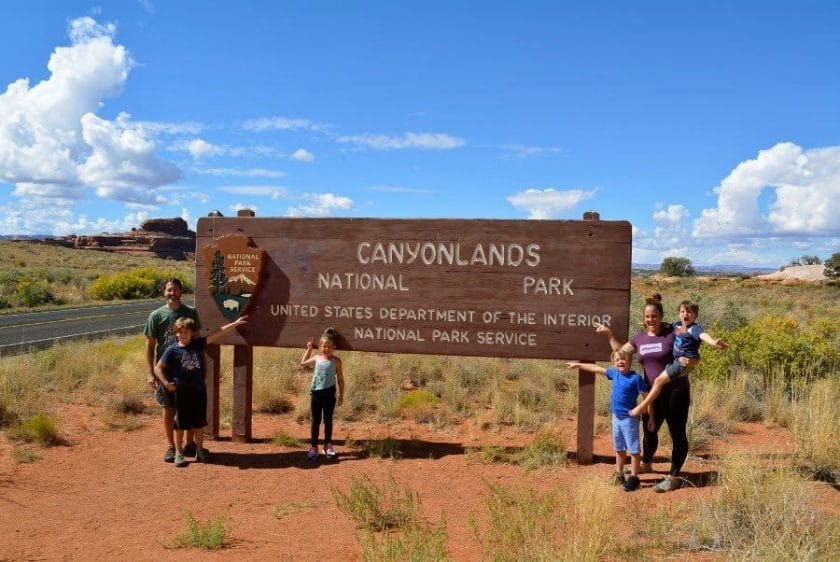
point(312, 454)
point(189, 449)
point(169, 455)
point(203, 455)
point(666, 485)
point(179, 460)
point(329, 451)
point(631, 484)
point(618, 478)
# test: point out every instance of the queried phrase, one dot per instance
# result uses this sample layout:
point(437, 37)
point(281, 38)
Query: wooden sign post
point(493, 288)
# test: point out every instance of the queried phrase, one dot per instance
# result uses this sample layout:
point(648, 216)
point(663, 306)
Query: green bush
point(32, 292)
point(142, 283)
point(677, 267)
point(776, 345)
point(832, 266)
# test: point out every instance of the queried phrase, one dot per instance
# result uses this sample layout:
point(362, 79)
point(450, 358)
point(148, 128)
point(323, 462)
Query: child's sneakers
point(312, 454)
point(329, 451)
point(632, 483)
point(179, 460)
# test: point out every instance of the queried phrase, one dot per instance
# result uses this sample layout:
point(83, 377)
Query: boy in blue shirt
point(626, 388)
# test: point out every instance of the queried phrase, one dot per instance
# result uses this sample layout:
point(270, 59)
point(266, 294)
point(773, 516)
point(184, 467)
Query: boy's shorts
point(164, 397)
point(626, 434)
point(677, 370)
point(191, 409)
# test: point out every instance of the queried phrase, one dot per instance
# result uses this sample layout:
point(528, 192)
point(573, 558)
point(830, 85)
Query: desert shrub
point(32, 292)
point(387, 448)
point(774, 345)
point(548, 448)
point(832, 266)
point(816, 426)
point(422, 542)
point(525, 525)
point(283, 439)
point(141, 283)
point(676, 267)
point(378, 508)
point(207, 535)
point(764, 512)
point(40, 428)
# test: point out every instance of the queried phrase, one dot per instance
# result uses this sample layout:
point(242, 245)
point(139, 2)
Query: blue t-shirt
point(324, 375)
point(185, 365)
point(687, 343)
point(625, 390)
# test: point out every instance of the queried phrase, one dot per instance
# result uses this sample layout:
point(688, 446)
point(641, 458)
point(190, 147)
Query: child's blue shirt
point(687, 341)
point(625, 390)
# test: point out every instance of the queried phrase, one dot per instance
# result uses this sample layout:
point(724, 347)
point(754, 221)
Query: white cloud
point(806, 185)
point(44, 217)
point(320, 205)
point(241, 172)
point(424, 141)
point(521, 151)
point(273, 191)
point(283, 124)
point(50, 136)
point(199, 148)
point(302, 155)
point(548, 203)
point(185, 128)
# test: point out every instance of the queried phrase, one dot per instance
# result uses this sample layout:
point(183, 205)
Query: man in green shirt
point(159, 336)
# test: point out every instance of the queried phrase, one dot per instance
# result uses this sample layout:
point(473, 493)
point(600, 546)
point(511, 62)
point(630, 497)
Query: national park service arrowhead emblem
point(234, 267)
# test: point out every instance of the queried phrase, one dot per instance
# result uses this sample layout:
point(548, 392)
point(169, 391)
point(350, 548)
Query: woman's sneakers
point(329, 451)
point(667, 484)
point(312, 454)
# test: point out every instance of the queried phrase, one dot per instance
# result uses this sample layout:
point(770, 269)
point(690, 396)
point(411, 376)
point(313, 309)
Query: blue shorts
point(164, 397)
point(626, 434)
point(677, 370)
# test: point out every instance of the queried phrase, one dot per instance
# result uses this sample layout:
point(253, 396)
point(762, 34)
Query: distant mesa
point(163, 238)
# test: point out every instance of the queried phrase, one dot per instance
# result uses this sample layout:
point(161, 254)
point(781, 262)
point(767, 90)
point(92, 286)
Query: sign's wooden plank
point(450, 287)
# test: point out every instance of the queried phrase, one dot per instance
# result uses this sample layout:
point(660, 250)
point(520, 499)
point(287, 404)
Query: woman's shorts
point(626, 434)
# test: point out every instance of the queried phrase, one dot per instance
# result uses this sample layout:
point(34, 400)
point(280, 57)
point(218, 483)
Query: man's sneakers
point(180, 462)
point(312, 454)
point(203, 455)
point(189, 450)
point(329, 451)
point(169, 455)
point(632, 483)
point(667, 484)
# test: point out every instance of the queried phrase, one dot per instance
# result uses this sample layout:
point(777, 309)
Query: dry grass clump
point(764, 512)
point(391, 522)
point(816, 427)
point(524, 525)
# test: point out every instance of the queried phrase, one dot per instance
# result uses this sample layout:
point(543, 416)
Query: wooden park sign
point(495, 288)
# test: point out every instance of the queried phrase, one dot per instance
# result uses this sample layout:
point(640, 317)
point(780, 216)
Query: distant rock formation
point(163, 238)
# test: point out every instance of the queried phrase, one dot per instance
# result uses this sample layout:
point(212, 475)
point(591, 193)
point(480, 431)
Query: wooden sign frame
point(495, 288)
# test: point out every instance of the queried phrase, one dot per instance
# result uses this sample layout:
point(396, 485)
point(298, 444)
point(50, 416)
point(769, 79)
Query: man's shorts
point(164, 397)
point(626, 434)
point(677, 370)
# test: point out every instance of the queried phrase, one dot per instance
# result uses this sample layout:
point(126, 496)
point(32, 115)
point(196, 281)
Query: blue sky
point(713, 127)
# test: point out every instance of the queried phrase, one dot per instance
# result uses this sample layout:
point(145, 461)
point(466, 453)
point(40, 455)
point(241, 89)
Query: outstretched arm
point(307, 360)
point(226, 328)
point(588, 367)
point(720, 344)
point(614, 343)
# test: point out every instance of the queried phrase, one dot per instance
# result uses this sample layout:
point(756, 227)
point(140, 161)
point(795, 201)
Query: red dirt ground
point(108, 494)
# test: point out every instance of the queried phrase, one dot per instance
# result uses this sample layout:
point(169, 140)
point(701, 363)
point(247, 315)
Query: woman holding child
point(655, 348)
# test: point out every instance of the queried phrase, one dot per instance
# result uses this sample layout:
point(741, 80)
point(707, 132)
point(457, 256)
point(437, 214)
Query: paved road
point(37, 330)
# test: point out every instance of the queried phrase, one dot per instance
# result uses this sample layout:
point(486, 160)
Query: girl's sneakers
point(312, 454)
point(329, 451)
